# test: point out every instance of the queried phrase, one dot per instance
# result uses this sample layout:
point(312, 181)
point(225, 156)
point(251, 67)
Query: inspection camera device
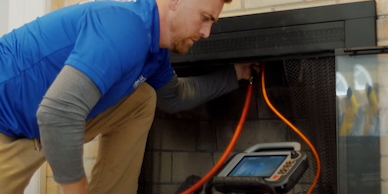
point(263, 168)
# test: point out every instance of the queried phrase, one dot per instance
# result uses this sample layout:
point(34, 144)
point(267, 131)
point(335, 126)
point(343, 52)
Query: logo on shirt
point(139, 81)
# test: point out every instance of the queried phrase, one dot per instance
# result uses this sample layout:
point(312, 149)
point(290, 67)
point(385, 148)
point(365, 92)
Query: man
point(93, 69)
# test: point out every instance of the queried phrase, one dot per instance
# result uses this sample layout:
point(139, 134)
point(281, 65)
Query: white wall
point(24, 11)
point(3, 17)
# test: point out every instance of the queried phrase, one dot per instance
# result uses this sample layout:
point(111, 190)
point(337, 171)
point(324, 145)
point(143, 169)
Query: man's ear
point(173, 4)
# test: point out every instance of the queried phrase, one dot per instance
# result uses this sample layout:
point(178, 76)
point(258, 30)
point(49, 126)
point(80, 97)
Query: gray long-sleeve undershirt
point(65, 107)
point(186, 93)
point(62, 119)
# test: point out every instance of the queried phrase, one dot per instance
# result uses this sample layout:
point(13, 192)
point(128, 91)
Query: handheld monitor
point(280, 165)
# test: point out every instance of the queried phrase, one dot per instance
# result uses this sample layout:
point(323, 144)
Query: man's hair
point(228, 1)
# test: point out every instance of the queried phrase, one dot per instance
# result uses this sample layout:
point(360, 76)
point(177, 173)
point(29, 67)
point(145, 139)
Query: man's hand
point(80, 187)
point(244, 70)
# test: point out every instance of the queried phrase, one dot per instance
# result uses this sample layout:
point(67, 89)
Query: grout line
point(215, 132)
point(385, 16)
point(243, 5)
point(310, 4)
point(172, 160)
point(213, 159)
point(189, 152)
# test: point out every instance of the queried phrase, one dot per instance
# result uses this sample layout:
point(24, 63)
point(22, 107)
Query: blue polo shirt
point(116, 44)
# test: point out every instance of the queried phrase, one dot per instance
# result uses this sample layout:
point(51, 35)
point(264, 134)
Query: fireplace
point(300, 49)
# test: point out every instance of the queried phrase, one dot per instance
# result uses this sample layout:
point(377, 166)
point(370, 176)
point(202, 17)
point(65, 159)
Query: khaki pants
point(124, 130)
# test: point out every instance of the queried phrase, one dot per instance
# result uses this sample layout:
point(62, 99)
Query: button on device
point(276, 177)
point(294, 154)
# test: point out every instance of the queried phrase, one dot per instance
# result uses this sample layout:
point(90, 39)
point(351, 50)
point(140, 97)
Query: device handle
point(277, 146)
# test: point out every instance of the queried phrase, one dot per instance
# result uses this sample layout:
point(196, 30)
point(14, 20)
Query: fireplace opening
point(298, 48)
point(209, 128)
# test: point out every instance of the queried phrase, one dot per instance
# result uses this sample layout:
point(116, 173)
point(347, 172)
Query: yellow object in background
point(371, 110)
point(350, 115)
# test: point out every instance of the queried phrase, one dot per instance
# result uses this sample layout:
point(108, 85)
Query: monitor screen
point(257, 166)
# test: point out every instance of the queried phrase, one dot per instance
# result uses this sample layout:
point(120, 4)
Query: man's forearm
point(62, 119)
point(187, 93)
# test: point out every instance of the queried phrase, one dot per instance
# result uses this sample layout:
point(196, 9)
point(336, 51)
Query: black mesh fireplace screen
point(312, 90)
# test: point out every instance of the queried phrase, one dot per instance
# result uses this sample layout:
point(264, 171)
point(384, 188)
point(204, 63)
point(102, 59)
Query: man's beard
point(180, 46)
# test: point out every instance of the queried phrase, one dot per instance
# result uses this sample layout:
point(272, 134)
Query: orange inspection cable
point(295, 130)
point(231, 146)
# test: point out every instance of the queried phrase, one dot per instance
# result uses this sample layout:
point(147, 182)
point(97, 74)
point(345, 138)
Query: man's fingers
point(256, 68)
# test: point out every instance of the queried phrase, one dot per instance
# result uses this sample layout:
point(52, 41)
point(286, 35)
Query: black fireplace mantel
point(310, 31)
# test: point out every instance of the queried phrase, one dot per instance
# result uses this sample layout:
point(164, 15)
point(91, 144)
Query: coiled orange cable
point(295, 130)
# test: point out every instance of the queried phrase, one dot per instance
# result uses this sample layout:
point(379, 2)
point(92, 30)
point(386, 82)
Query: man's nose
point(205, 31)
